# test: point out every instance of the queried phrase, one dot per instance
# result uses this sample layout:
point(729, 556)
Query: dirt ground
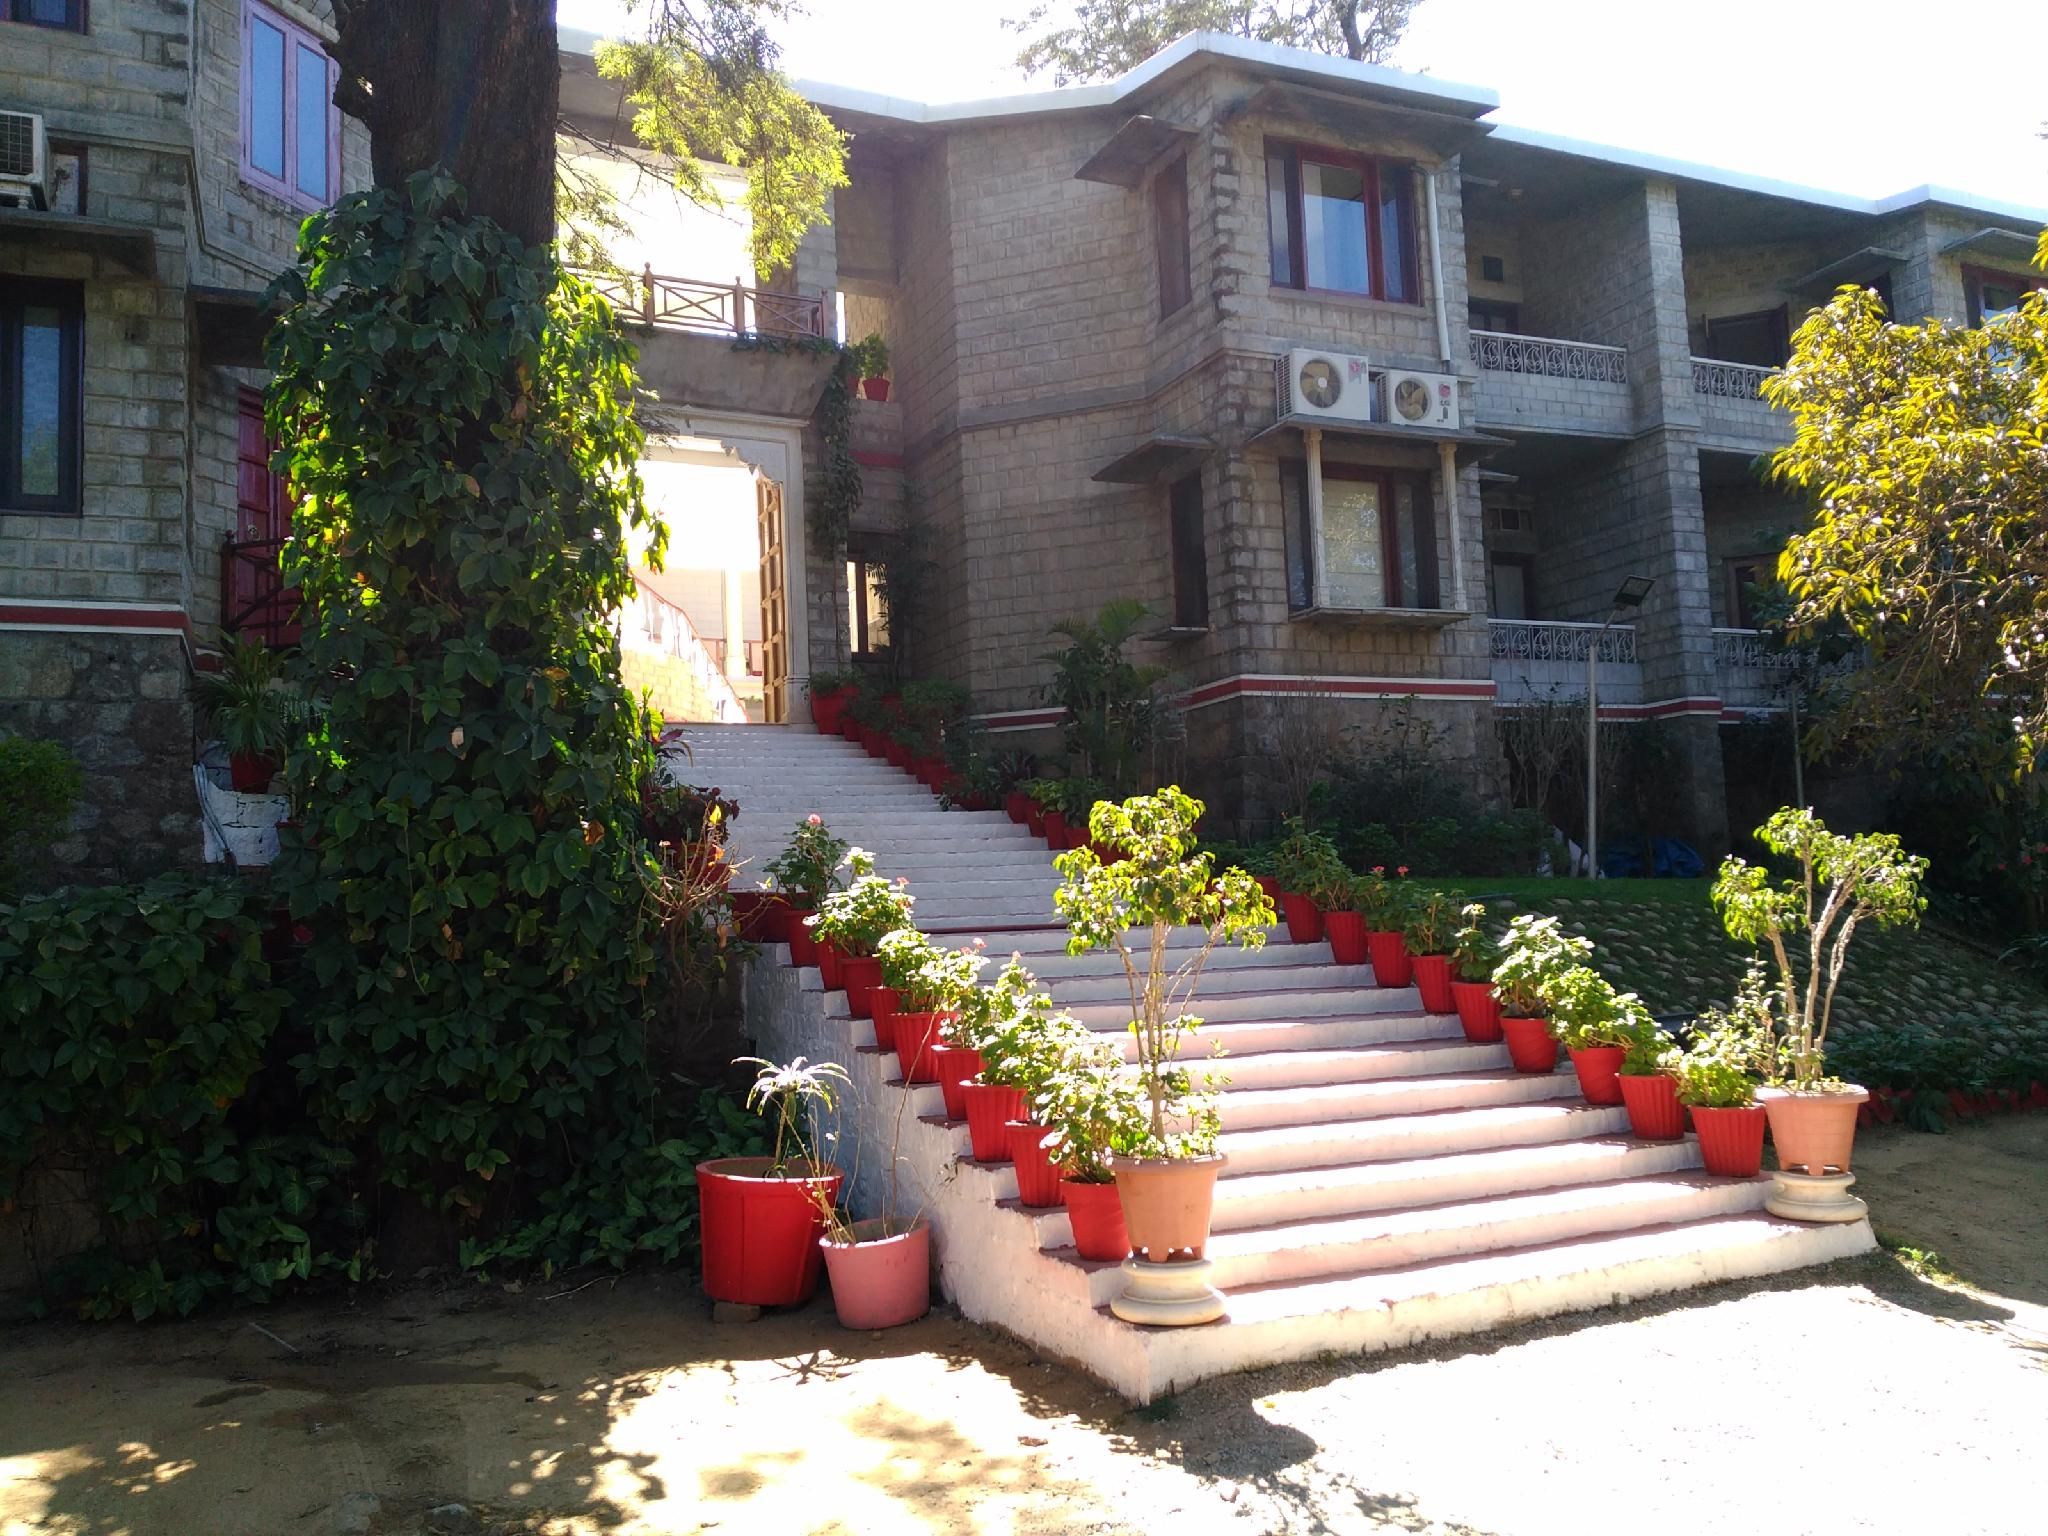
point(1913, 1390)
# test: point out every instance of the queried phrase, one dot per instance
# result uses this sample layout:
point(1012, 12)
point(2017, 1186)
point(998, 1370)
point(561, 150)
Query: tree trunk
point(471, 86)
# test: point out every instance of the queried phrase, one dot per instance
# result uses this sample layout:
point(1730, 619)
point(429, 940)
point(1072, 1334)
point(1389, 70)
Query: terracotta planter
point(860, 975)
point(1813, 1133)
point(828, 708)
point(876, 390)
point(917, 1040)
point(1530, 1046)
point(1096, 1213)
point(1017, 806)
point(1391, 963)
point(1346, 933)
point(989, 1106)
point(1654, 1112)
point(1731, 1140)
point(1304, 918)
point(1599, 1069)
point(880, 1280)
point(955, 1064)
point(1167, 1202)
point(1038, 1176)
point(803, 949)
point(1478, 1010)
point(760, 1233)
point(250, 773)
point(1053, 827)
point(1433, 981)
point(882, 1005)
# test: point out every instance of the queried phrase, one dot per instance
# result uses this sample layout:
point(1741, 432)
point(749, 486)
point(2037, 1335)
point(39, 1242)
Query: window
point(1190, 554)
point(291, 132)
point(1341, 223)
point(65, 15)
point(1992, 294)
point(1495, 315)
point(1170, 228)
point(1762, 339)
point(67, 168)
point(254, 599)
point(1746, 576)
point(1379, 538)
point(1511, 590)
point(42, 330)
point(867, 616)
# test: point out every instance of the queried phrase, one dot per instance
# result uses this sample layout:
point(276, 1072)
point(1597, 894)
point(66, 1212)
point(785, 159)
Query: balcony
point(1538, 660)
point(1544, 383)
point(1751, 672)
point(688, 304)
point(1733, 411)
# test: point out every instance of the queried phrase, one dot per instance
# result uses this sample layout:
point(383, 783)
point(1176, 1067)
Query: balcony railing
point(651, 623)
point(1729, 381)
point(1539, 659)
point(254, 601)
point(750, 652)
point(1558, 640)
point(1549, 357)
point(1751, 650)
point(688, 304)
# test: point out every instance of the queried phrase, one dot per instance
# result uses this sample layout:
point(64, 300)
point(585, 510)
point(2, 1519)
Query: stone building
point(1366, 398)
point(161, 155)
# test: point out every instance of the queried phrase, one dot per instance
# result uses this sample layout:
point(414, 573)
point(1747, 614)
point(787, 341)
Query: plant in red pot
point(760, 1217)
point(1474, 954)
point(1032, 1059)
point(999, 1024)
point(1094, 1111)
point(856, 920)
point(253, 710)
point(870, 359)
point(1595, 1023)
point(1717, 1076)
point(1534, 954)
point(1044, 798)
point(1431, 933)
point(1167, 1182)
point(901, 955)
point(831, 693)
point(1343, 923)
point(1383, 903)
point(938, 991)
point(1311, 874)
point(1840, 883)
point(805, 871)
point(690, 826)
point(1649, 1087)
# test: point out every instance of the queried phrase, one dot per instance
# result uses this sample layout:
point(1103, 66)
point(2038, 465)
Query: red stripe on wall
point(873, 458)
point(20, 615)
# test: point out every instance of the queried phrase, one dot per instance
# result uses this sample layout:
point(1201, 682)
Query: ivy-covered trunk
point(457, 423)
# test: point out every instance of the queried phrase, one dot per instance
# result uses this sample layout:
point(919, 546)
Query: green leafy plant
point(1651, 1052)
point(40, 785)
point(792, 1097)
point(1093, 1108)
point(1383, 903)
point(1474, 951)
point(1113, 713)
point(1431, 925)
point(1161, 883)
point(1536, 952)
point(930, 711)
point(1306, 864)
point(1046, 794)
point(1732, 1050)
point(870, 356)
point(1841, 882)
point(832, 682)
point(809, 863)
point(680, 814)
point(903, 953)
point(1586, 1012)
point(871, 907)
point(249, 701)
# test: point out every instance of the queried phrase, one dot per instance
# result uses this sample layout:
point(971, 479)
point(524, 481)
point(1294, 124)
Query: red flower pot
point(1391, 964)
point(1053, 827)
point(1105, 852)
point(917, 1039)
point(934, 772)
point(882, 1005)
point(898, 755)
point(849, 728)
point(1096, 1214)
point(250, 773)
point(1478, 1010)
point(750, 914)
point(876, 390)
point(1346, 933)
point(988, 1107)
point(1017, 806)
point(828, 963)
point(1731, 1140)
point(1654, 1112)
point(880, 1279)
point(1599, 1070)
point(828, 708)
point(1271, 887)
point(1034, 818)
point(1038, 1176)
point(1433, 981)
point(1304, 919)
point(860, 975)
point(1530, 1046)
point(803, 949)
point(955, 1064)
point(759, 1232)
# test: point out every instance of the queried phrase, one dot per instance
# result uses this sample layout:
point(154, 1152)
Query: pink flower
point(1401, 869)
point(1379, 869)
point(815, 820)
point(2026, 858)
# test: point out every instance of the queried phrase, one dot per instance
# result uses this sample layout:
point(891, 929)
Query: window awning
point(1159, 458)
point(129, 245)
point(1379, 431)
point(1443, 133)
point(1998, 244)
point(1870, 261)
point(1133, 150)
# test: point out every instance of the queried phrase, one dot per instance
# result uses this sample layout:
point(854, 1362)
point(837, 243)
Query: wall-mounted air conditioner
point(1422, 399)
point(1337, 386)
point(25, 180)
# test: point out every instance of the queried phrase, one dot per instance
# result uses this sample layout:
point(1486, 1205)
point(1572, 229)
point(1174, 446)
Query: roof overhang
point(1159, 458)
point(1351, 117)
point(1995, 245)
point(1871, 261)
point(1142, 142)
point(1378, 431)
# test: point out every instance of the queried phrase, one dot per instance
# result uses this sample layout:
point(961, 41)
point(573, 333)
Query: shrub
point(40, 783)
point(1536, 952)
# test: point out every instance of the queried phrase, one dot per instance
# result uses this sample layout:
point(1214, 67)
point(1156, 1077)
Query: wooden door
point(774, 604)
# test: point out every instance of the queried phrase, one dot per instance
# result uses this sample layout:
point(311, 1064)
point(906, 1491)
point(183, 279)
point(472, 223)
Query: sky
point(1859, 96)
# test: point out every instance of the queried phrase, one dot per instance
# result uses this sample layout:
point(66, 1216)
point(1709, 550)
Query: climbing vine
point(835, 500)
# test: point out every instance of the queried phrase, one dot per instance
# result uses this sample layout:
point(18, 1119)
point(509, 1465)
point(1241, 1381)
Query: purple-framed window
point(291, 131)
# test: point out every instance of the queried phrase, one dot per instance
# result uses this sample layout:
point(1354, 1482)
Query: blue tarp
point(1674, 860)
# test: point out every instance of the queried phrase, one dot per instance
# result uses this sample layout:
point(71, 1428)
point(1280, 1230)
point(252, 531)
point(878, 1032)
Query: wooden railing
point(688, 304)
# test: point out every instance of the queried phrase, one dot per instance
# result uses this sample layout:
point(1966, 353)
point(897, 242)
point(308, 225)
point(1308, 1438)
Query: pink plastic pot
point(880, 1280)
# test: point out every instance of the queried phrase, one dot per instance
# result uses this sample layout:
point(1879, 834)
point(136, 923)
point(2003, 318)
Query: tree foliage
point(1107, 37)
point(1924, 448)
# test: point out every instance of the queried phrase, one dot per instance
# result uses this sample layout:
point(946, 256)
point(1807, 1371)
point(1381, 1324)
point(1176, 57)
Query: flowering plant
point(902, 953)
point(1430, 921)
point(1474, 951)
point(870, 908)
point(1536, 953)
point(945, 977)
point(1378, 900)
point(806, 867)
point(1094, 1108)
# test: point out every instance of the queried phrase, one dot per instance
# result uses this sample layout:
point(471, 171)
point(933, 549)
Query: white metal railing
point(1752, 650)
point(1559, 640)
point(1541, 660)
point(1728, 381)
point(1549, 357)
point(651, 623)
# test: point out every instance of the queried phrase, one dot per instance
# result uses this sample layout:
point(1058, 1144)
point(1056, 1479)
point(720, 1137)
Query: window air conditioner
point(24, 161)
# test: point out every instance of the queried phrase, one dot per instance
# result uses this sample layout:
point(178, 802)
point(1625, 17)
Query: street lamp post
point(1627, 599)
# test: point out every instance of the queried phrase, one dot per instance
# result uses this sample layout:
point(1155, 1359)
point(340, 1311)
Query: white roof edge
point(577, 40)
point(1765, 186)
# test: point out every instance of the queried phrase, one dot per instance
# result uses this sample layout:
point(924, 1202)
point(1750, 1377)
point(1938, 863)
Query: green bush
point(40, 784)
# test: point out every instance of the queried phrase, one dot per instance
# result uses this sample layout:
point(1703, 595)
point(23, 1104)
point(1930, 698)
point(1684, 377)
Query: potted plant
point(1077, 804)
point(1717, 1077)
point(1384, 906)
point(803, 872)
point(855, 920)
point(830, 693)
point(1094, 1112)
point(902, 955)
point(1032, 1062)
point(251, 709)
point(1013, 771)
point(1595, 1024)
point(941, 985)
point(760, 1217)
point(1167, 1181)
point(1343, 923)
point(1840, 883)
point(1308, 867)
point(1044, 797)
point(1649, 1087)
point(690, 826)
point(996, 1023)
point(881, 1267)
point(1430, 933)
point(1535, 953)
point(871, 361)
point(1474, 954)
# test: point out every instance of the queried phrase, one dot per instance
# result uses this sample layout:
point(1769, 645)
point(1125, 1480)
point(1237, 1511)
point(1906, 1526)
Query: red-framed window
point(254, 599)
point(1170, 226)
point(1379, 537)
point(1341, 223)
point(1991, 294)
point(291, 130)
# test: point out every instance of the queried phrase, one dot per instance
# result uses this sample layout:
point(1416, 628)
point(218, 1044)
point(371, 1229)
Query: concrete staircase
point(1388, 1181)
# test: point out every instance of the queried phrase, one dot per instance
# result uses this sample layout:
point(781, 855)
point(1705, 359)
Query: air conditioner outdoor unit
point(1336, 386)
point(1422, 399)
point(24, 161)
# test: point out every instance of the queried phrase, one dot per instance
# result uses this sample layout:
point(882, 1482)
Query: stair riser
point(1254, 1037)
point(1269, 1109)
point(1368, 1141)
point(1296, 1069)
point(1218, 1008)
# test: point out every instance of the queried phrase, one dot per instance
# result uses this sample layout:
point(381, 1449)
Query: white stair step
point(1410, 1136)
point(1226, 1041)
point(1291, 1003)
point(1216, 981)
point(1251, 1109)
point(1397, 1058)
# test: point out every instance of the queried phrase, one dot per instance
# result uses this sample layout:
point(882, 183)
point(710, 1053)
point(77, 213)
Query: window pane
point(48, 13)
point(1510, 590)
point(42, 401)
point(312, 113)
point(1279, 210)
point(1294, 533)
point(1395, 196)
point(1354, 559)
point(1333, 227)
point(1190, 554)
point(265, 86)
